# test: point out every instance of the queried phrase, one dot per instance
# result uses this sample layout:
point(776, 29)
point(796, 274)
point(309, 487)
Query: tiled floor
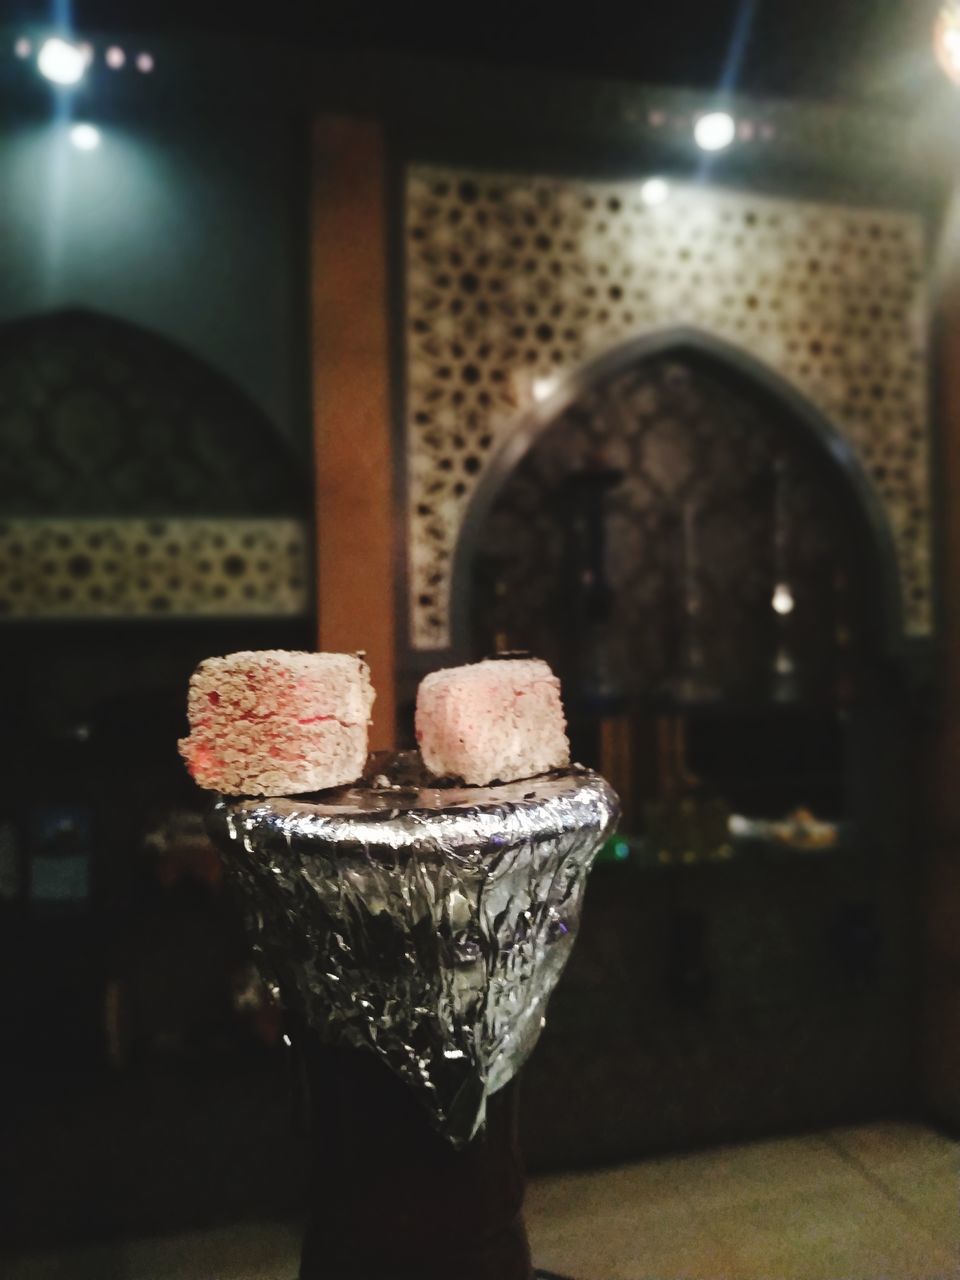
point(879, 1202)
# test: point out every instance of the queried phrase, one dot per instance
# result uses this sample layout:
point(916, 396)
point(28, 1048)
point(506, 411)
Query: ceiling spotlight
point(85, 137)
point(61, 61)
point(115, 57)
point(655, 191)
point(714, 131)
point(22, 47)
point(145, 62)
point(946, 39)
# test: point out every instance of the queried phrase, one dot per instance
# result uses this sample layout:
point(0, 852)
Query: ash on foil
point(427, 924)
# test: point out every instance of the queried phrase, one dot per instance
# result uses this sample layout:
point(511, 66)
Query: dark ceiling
point(858, 50)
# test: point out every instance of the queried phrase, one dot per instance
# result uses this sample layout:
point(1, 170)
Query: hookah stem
point(389, 1198)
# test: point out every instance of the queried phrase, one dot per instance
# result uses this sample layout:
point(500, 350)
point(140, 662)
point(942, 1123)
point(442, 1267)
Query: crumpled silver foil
point(429, 925)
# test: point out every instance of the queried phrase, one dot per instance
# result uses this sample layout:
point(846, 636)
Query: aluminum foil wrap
point(428, 925)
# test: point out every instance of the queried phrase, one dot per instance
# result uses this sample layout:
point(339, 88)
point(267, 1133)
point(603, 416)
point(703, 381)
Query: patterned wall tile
point(514, 282)
point(179, 568)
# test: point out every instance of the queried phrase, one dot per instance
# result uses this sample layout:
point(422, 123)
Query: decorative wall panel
point(176, 568)
point(137, 481)
point(515, 282)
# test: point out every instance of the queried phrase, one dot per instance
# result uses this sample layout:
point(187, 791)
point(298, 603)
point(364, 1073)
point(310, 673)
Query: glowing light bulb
point(22, 47)
point(784, 664)
point(655, 191)
point(543, 388)
point(115, 57)
point(946, 40)
point(145, 62)
point(782, 601)
point(61, 61)
point(85, 137)
point(715, 131)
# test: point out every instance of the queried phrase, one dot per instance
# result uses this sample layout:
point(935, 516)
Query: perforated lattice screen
point(177, 567)
point(513, 282)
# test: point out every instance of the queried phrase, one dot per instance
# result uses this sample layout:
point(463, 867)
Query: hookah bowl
point(414, 935)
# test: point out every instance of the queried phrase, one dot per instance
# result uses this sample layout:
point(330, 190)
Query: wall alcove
point(150, 516)
point(136, 480)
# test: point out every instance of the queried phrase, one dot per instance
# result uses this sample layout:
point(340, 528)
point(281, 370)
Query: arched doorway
point(788, 421)
point(702, 558)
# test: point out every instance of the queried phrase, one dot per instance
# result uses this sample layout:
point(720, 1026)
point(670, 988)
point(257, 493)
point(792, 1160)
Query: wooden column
point(351, 404)
point(941, 1048)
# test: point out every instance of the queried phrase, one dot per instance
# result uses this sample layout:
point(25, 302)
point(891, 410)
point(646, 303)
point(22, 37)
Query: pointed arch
point(100, 417)
point(738, 368)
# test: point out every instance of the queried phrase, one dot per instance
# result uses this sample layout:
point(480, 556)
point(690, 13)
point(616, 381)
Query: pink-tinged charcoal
point(492, 721)
point(273, 723)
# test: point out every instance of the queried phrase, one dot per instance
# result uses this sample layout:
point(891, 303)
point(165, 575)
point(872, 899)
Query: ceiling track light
point(715, 131)
point(62, 62)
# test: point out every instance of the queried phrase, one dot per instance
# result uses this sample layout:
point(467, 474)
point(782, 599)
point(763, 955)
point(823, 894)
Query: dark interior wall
point(190, 223)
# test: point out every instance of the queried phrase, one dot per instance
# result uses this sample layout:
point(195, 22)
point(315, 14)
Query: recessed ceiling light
point(715, 131)
point(61, 61)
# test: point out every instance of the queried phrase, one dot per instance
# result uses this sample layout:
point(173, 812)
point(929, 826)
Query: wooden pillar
point(351, 404)
point(941, 1047)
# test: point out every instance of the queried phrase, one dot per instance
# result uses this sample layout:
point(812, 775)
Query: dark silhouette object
point(390, 1199)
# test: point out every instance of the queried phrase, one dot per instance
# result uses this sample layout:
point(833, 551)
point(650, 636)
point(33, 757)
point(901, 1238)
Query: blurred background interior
point(634, 344)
